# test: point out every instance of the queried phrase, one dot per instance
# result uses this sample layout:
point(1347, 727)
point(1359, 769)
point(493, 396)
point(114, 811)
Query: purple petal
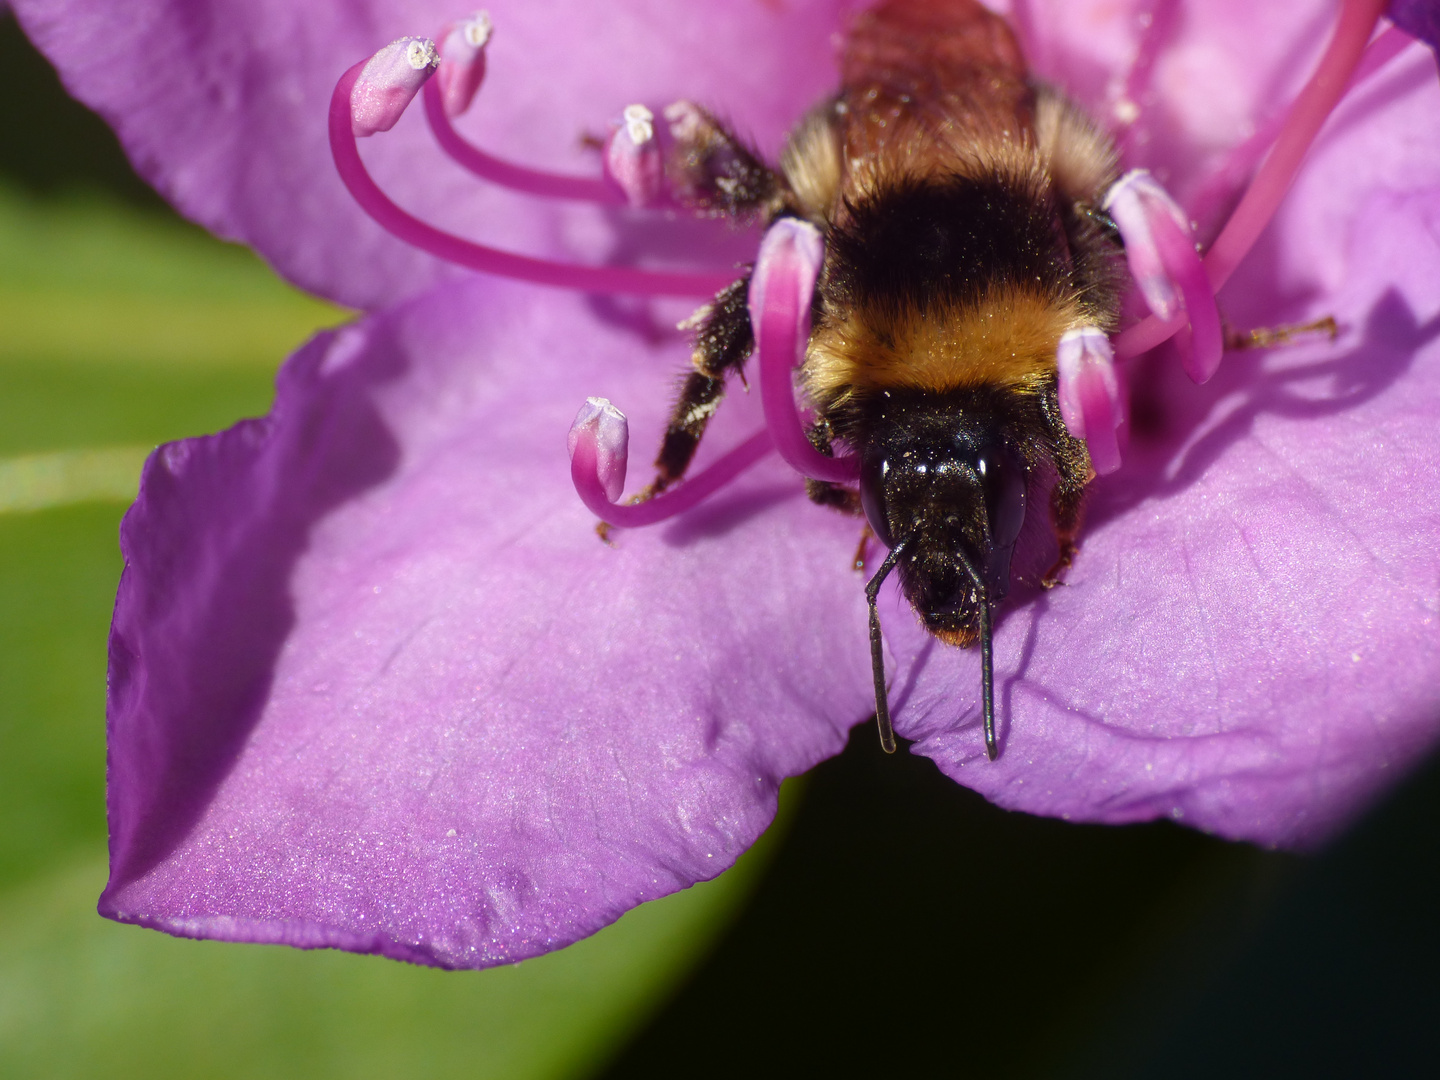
point(376, 683)
point(381, 615)
point(222, 106)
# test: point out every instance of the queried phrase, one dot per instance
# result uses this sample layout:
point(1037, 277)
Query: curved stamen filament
point(515, 177)
point(1258, 205)
point(598, 448)
point(781, 290)
point(1241, 161)
point(443, 245)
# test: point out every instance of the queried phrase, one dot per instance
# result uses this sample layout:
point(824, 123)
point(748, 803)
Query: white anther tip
point(388, 82)
point(477, 30)
point(633, 159)
point(684, 118)
point(420, 54)
point(639, 124)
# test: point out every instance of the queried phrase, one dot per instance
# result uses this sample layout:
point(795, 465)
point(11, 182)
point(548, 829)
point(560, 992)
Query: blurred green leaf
point(120, 329)
point(83, 997)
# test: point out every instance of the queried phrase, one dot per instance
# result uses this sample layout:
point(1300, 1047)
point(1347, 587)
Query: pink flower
point(375, 683)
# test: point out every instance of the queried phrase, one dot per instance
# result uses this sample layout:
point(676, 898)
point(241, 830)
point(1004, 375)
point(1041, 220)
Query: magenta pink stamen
point(1182, 263)
point(462, 61)
point(1089, 393)
point(443, 245)
point(781, 289)
point(515, 177)
point(1315, 102)
point(597, 469)
point(387, 82)
point(633, 159)
point(1134, 203)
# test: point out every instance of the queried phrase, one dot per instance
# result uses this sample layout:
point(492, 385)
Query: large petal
point(222, 105)
point(1250, 639)
point(377, 684)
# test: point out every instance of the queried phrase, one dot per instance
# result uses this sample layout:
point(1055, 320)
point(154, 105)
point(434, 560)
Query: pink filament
point(780, 294)
point(443, 245)
point(1240, 162)
point(1315, 102)
point(515, 177)
point(585, 474)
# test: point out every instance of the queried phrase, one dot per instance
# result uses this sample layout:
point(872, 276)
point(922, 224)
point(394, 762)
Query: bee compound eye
point(1002, 480)
point(873, 470)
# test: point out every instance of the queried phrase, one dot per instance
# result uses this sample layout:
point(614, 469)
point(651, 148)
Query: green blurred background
point(891, 924)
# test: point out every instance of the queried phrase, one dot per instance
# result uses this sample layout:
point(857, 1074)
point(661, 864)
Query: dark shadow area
point(725, 511)
point(204, 606)
point(908, 928)
point(51, 142)
point(1338, 980)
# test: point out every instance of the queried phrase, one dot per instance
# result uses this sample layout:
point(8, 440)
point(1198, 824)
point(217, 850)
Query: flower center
point(1178, 285)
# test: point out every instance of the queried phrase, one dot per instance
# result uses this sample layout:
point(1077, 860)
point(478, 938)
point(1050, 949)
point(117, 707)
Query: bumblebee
point(959, 201)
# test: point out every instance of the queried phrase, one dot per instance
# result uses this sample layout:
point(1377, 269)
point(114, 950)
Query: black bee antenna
point(987, 658)
point(877, 647)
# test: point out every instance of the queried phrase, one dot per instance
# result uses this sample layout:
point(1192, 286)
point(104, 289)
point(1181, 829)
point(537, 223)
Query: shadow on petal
point(1391, 339)
point(200, 620)
point(723, 515)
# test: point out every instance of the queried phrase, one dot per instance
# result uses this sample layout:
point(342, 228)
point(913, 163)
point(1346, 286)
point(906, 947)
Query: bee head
point(946, 475)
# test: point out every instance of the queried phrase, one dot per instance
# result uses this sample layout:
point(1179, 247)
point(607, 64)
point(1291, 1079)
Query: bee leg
point(1269, 337)
point(723, 342)
point(1066, 510)
point(1067, 505)
point(714, 173)
point(824, 493)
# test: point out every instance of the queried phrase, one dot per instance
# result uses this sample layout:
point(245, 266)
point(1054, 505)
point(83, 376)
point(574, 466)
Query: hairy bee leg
point(723, 342)
point(826, 493)
point(714, 173)
point(1067, 505)
point(1269, 337)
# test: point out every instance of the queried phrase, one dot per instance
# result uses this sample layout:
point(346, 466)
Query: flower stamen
point(382, 99)
point(1160, 248)
point(386, 83)
point(781, 289)
point(462, 69)
point(1090, 402)
point(462, 61)
point(1220, 187)
point(633, 159)
point(1314, 104)
point(599, 443)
